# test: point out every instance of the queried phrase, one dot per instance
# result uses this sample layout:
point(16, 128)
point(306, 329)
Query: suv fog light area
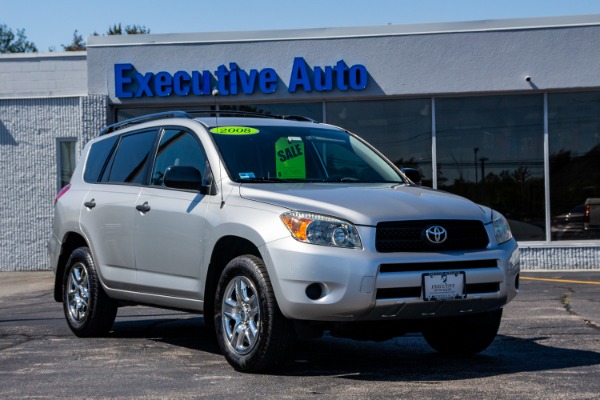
point(321, 230)
point(517, 282)
point(314, 291)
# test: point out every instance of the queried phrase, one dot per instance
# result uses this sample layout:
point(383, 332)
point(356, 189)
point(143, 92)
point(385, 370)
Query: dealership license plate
point(444, 286)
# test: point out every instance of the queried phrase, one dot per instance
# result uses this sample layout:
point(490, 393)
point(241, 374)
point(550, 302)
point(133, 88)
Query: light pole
point(483, 160)
point(475, 150)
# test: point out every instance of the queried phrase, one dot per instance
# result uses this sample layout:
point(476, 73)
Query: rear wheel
point(251, 330)
point(463, 335)
point(88, 310)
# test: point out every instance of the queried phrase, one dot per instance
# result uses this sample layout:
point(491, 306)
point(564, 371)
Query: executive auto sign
point(232, 80)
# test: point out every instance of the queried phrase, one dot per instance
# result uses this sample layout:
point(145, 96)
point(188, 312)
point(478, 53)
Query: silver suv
point(274, 228)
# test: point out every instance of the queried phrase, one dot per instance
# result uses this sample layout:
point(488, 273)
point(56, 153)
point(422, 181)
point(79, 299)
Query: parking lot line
point(560, 280)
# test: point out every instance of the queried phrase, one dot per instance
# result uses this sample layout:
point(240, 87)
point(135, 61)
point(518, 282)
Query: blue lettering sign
point(181, 83)
point(144, 84)
point(323, 79)
point(121, 70)
point(299, 76)
point(341, 73)
point(268, 80)
point(248, 81)
point(231, 80)
point(163, 84)
point(358, 77)
point(201, 83)
point(222, 73)
point(339, 76)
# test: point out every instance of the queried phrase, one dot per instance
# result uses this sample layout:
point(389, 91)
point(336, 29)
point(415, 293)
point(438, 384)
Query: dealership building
point(504, 112)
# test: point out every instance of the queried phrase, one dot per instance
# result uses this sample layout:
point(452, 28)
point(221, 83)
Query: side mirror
point(181, 177)
point(413, 174)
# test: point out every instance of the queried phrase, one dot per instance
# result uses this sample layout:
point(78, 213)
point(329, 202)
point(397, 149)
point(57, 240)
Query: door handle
point(144, 208)
point(90, 204)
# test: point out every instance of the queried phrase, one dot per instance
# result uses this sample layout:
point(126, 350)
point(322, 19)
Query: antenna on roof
point(215, 94)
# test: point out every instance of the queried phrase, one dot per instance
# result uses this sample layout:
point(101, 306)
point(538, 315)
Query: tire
point(88, 310)
point(251, 331)
point(463, 335)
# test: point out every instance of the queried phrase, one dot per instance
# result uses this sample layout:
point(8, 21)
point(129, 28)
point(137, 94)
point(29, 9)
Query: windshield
point(304, 154)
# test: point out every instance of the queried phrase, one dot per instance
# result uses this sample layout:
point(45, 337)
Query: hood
point(365, 204)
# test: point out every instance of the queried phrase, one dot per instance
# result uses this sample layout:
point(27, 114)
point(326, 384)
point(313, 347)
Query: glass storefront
point(574, 154)
point(310, 110)
point(123, 113)
point(487, 148)
point(491, 150)
point(400, 129)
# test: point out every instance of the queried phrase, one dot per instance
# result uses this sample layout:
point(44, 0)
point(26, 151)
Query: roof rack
point(297, 118)
point(144, 118)
point(233, 112)
point(189, 115)
point(254, 114)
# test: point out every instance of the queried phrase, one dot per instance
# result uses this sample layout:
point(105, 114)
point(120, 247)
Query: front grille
point(409, 236)
point(438, 266)
point(398, 293)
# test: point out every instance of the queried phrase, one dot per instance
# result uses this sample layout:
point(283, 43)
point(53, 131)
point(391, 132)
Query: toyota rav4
point(274, 228)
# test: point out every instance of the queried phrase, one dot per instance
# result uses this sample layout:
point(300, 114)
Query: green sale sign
point(290, 160)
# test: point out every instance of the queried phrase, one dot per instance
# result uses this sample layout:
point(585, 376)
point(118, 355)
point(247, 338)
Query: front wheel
point(463, 335)
point(88, 310)
point(252, 332)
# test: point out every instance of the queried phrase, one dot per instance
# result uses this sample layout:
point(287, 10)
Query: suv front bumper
point(354, 288)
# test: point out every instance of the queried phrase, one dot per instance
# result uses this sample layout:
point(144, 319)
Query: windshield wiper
point(341, 179)
point(354, 180)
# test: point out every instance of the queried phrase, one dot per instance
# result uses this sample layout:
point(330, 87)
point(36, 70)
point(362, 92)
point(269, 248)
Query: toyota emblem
point(436, 234)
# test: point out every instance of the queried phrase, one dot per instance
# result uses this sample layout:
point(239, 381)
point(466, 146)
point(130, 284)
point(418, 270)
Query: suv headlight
point(321, 230)
point(501, 228)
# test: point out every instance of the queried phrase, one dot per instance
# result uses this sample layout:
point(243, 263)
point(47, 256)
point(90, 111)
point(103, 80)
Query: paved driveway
point(548, 348)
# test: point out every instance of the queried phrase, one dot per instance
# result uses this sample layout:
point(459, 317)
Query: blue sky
point(51, 23)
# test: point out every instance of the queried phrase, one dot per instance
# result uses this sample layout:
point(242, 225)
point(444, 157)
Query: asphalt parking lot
point(548, 347)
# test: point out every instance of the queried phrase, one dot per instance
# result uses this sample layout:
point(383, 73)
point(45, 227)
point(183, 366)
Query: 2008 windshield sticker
point(234, 130)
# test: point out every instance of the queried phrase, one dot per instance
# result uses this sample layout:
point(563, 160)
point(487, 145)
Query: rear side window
point(97, 158)
point(132, 157)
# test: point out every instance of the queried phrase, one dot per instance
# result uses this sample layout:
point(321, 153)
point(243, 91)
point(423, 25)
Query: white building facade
point(506, 113)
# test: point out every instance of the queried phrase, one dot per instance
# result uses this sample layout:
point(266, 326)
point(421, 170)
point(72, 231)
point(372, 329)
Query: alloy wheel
point(241, 315)
point(78, 292)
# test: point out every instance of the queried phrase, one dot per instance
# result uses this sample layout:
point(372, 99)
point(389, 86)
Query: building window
point(490, 149)
point(400, 129)
point(123, 113)
point(66, 157)
point(574, 154)
point(310, 110)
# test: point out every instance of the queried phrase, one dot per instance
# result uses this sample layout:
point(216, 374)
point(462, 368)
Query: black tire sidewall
point(464, 335)
point(101, 310)
point(272, 332)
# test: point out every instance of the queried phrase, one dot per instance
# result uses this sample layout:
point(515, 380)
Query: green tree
point(117, 29)
point(78, 44)
point(15, 43)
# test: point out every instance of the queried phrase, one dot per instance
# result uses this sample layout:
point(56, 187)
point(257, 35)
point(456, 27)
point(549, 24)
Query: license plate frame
point(443, 286)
